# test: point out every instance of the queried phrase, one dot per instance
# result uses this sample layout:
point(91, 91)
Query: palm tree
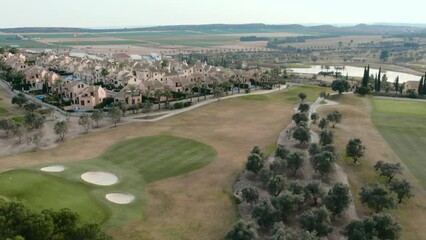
point(238, 82)
point(198, 84)
point(158, 94)
point(205, 90)
point(191, 91)
point(168, 94)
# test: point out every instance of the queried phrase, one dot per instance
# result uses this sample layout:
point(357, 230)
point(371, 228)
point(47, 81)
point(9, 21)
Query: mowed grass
point(402, 124)
point(290, 95)
point(138, 162)
point(42, 191)
point(312, 93)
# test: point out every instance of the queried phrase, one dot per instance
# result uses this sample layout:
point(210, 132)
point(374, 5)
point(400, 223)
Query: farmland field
point(118, 42)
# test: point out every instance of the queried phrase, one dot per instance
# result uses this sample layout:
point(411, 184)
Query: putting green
point(402, 124)
point(136, 162)
point(42, 191)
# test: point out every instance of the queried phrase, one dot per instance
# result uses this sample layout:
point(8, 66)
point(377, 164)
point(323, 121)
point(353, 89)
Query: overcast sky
point(128, 13)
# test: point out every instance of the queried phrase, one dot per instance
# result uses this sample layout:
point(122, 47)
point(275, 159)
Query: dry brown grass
point(196, 205)
point(357, 123)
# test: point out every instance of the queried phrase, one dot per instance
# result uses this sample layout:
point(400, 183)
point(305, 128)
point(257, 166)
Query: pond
point(359, 72)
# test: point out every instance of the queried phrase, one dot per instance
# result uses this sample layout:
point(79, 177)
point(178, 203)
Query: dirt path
point(339, 174)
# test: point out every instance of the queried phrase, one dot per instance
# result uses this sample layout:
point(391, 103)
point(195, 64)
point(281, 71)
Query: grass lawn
point(290, 96)
point(312, 92)
point(136, 162)
point(402, 124)
point(43, 191)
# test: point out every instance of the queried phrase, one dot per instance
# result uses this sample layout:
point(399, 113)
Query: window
point(82, 103)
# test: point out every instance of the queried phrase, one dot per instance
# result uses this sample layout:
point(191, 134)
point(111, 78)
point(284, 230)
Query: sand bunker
point(100, 178)
point(57, 168)
point(120, 198)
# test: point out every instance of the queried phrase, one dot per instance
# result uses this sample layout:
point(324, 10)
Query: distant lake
point(359, 72)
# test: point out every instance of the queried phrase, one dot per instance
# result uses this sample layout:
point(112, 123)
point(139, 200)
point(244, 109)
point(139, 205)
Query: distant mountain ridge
point(362, 29)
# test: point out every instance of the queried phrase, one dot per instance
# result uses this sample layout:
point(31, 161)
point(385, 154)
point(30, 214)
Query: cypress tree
point(366, 76)
point(379, 80)
point(421, 86)
point(375, 83)
point(424, 84)
point(396, 84)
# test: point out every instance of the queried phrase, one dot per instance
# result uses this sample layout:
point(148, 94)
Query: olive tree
point(85, 121)
point(281, 151)
point(314, 190)
point(115, 115)
point(250, 194)
point(334, 117)
point(265, 214)
point(338, 198)
point(326, 137)
point(302, 96)
point(355, 149)
point(402, 188)
point(61, 129)
point(97, 116)
point(254, 163)
point(302, 134)
point(19, 99)
point(379, 226)
point(303, 107)
point(242, 230)
point(316, 220)
point(300, 117)
point(286, 203)
point(377, 197)
point(314, 117)
point(323, 163)
point(295, 161)
point(276, 185)
point(389, 170)
point(323, 124)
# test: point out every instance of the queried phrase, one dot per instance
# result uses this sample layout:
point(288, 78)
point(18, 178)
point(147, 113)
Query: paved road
point(197, 105)
point(57, 111)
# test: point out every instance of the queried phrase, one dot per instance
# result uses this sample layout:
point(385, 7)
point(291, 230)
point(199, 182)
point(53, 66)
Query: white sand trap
point(100, 178)
point(57, 168)
point(120, 198)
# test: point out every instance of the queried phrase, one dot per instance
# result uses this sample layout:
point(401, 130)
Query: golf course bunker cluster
point(120, 198)
point(54, 169)
point(100, 178)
